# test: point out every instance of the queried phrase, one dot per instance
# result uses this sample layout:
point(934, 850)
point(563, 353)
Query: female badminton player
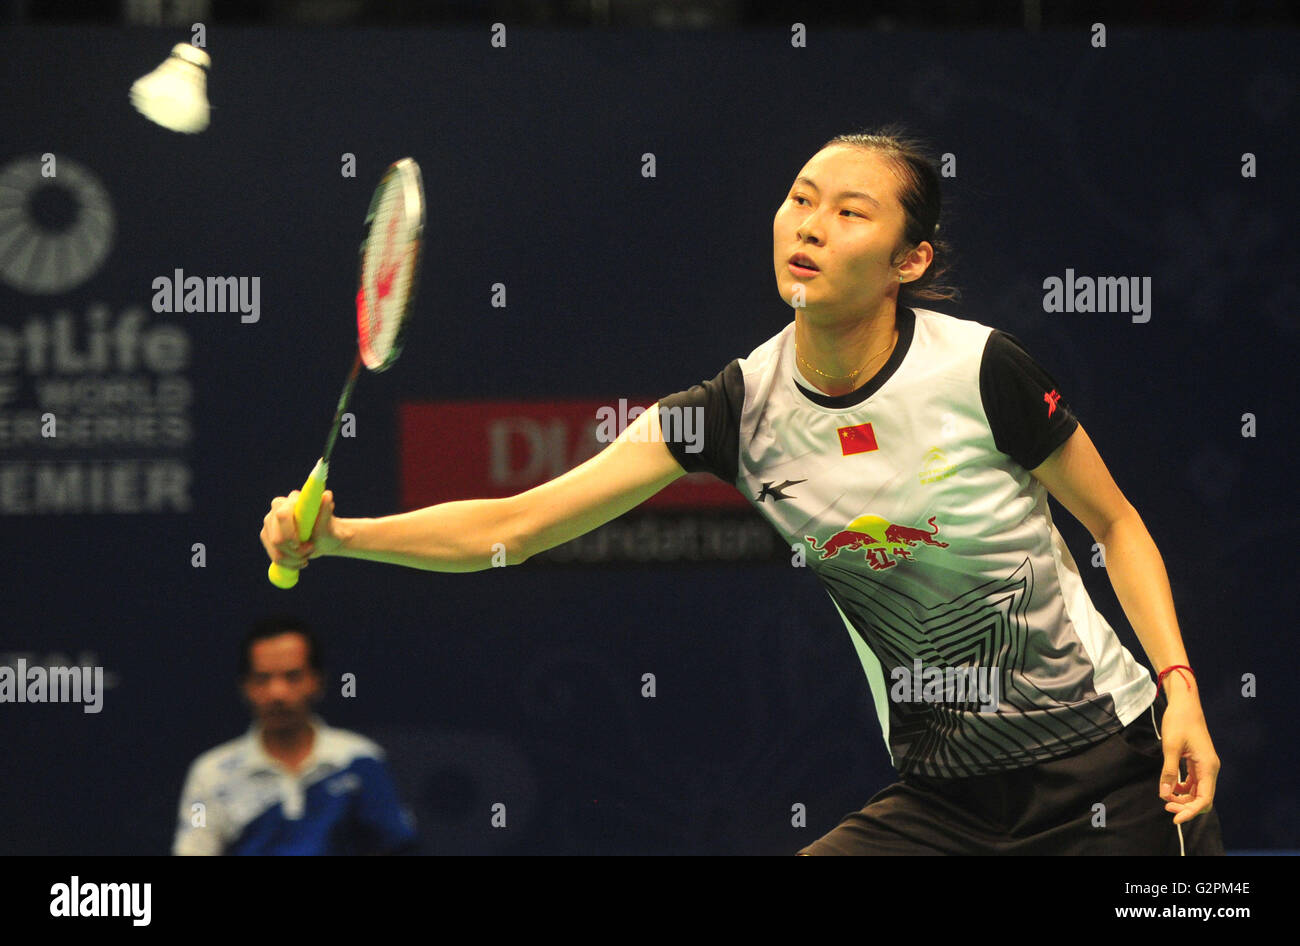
point(907, 455)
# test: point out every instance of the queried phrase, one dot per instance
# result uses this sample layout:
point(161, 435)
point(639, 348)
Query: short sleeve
point(707, 440)
point(1027, 413)
point(204, 838)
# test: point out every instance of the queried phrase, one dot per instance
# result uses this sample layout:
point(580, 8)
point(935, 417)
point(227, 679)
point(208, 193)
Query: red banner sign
point(483, 449)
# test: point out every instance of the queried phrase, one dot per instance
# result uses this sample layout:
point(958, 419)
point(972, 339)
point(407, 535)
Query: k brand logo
point(776, 492)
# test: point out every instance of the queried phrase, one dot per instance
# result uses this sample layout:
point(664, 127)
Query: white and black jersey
point(912, 502)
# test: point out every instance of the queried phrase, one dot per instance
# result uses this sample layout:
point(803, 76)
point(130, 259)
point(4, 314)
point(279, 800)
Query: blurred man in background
point(291, 784)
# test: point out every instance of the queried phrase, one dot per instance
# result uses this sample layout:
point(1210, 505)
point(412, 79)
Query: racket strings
point(387, 269)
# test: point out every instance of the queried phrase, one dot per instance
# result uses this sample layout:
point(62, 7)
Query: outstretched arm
point(466, 535)
point(1077, 477)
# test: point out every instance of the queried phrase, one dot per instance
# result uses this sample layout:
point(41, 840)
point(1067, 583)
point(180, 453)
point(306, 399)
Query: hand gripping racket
point(390, 255)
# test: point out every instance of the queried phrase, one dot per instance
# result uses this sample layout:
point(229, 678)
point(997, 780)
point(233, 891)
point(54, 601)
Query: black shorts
point(1048, 808)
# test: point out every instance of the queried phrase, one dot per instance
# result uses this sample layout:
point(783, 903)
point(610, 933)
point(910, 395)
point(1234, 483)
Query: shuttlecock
point(175, 95)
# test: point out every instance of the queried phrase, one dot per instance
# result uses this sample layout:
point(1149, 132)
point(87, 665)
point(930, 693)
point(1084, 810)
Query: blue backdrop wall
point(523, 685)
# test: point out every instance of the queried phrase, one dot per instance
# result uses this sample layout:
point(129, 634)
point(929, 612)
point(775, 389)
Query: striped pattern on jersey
point(933, 542)
point(342, 801)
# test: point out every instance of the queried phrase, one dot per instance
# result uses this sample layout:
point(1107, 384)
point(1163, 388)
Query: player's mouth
point(801, 264)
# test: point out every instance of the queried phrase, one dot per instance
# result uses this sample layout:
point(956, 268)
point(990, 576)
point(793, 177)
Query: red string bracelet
point(1160, 680)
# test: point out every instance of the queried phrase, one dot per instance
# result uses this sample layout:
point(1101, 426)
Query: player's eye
point(798, 197)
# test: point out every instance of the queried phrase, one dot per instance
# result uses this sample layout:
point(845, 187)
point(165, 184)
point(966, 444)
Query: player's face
point(851, 238)
point(281, 685)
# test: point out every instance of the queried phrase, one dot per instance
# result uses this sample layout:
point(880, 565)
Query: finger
point(282, 541)
point(1198, 801)
point(271, 523)
point(1193, 810)
point(1200, 793)
point(324, 516)
point(289, 520)
point(289, 559)
point(1169, 775)
point(284, 508)
point(282, 527)
point(274, 537)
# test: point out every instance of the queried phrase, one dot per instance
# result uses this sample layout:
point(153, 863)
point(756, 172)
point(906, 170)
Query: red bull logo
point(881, 541)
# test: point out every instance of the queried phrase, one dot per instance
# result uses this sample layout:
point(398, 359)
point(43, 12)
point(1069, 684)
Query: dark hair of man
point(274, 626)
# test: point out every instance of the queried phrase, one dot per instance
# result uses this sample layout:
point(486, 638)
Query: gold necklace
point(836, 377)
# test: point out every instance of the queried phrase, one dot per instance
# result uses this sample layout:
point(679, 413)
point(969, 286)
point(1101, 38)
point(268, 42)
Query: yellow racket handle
point(305, 511)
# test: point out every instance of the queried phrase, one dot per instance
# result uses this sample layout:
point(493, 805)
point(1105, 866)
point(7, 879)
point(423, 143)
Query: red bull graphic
point(881, 541)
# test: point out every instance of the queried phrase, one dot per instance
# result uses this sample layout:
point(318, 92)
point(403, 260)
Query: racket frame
point(407, 174)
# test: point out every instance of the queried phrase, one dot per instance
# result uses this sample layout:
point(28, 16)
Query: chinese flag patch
point(857, 439)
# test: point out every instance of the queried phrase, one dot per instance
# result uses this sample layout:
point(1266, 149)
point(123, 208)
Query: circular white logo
point(54, 231)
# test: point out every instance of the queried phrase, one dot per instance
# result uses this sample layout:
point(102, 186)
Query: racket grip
point(305, 511)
